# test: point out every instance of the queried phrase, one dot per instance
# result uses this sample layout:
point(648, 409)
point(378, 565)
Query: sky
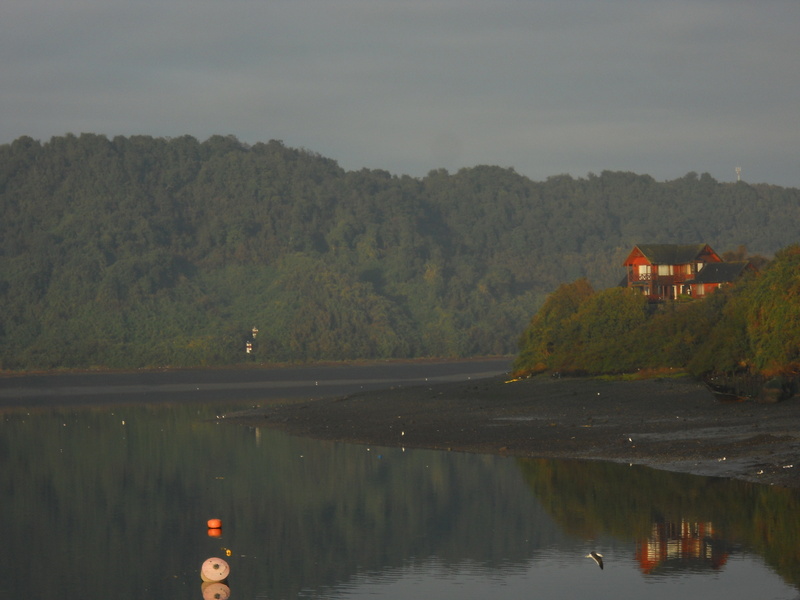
point(548, 87)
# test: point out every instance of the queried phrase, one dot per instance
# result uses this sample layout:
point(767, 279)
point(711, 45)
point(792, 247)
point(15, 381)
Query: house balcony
point(677, 279)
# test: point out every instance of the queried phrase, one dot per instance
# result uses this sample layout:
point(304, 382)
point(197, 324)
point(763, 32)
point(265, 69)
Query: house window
point(664, 270)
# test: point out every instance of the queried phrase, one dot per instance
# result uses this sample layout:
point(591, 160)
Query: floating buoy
point(214, 569)
point(215, 532)
point(215, 590)
point(214, 523)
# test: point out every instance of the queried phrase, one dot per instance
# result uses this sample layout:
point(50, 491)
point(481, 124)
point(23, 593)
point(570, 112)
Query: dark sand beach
point(669, 423)
point(467, 406)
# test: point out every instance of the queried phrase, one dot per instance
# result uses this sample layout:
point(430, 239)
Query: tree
point(548, 334)
point(772, 311)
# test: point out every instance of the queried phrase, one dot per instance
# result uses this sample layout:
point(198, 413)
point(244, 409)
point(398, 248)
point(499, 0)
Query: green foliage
point(139, 251)
point(580, 330)
point(771, 305)
point(330, 315)
point(542, 344)
point(753, 325)
point(722, 343)
point(603, 323)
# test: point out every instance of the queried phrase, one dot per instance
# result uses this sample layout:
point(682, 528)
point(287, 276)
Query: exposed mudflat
point(672, 424)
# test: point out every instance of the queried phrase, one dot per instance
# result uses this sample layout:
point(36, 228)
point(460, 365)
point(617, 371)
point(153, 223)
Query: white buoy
point(215, 590)
point(214, 569)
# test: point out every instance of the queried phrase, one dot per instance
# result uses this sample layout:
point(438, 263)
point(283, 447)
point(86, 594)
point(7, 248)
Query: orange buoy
point(214, 569)
point(215, 533)
point(214, 523)
point(215, 590)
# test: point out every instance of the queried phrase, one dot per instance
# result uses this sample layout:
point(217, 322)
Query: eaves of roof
point(671, 254)
point(720, 272)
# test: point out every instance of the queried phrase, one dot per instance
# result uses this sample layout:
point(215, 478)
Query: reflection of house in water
point(680, 546)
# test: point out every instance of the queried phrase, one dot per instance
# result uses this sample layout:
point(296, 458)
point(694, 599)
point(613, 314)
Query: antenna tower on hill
point(738, 173)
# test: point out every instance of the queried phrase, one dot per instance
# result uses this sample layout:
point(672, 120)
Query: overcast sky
point(545, 86)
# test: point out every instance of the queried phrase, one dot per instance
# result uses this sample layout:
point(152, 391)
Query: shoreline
point(664, 423)
point(6, 374)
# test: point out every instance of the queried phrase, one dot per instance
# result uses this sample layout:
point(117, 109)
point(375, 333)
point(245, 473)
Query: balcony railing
point(662, 279)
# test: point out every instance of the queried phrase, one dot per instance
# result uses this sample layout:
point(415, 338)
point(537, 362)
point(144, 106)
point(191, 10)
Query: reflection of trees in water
point(127, 489)
point(356, 509)
point(683, 520)
point(130, 489)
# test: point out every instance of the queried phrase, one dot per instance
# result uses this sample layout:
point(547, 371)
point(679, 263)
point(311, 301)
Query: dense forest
point(140, 251)
point(752, 326)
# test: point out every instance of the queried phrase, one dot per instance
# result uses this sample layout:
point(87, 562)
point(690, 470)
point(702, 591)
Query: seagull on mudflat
point(596, 557)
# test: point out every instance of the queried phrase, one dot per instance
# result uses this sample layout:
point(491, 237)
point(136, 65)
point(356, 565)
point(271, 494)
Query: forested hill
point(141, 251)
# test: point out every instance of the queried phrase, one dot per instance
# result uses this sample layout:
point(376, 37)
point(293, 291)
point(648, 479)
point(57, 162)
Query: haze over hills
point(140, 251)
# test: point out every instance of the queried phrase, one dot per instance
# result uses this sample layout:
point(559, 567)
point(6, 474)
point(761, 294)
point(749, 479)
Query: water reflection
point(681, 546)
point(115, 503)
point(679, 523)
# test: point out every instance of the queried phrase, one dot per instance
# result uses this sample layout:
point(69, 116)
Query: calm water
point(112, 502)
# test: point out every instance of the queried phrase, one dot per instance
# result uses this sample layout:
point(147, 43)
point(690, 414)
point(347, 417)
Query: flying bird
point(596, 557)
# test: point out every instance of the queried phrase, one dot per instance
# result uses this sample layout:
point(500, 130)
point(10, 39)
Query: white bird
point(596, 557)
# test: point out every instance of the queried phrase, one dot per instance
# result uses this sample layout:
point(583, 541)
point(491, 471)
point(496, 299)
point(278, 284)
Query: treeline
point(752, 326)
point(140, 251)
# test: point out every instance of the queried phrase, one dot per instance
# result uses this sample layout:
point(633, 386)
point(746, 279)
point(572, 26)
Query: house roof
point(720, 272)
point(673, 254)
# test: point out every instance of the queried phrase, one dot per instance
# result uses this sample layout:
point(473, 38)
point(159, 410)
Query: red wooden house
point(714, 275)
point(664, 271)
